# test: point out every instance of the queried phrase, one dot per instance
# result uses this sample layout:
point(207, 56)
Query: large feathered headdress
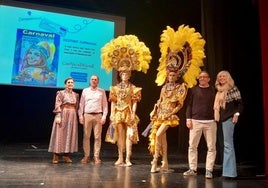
point(182, 51)
point(125, 53)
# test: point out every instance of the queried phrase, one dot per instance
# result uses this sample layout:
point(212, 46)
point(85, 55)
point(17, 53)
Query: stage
point(30, 165)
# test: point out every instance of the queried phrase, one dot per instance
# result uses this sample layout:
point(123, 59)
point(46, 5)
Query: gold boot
point(154, 165)
point(129, 152)
point(164, 166)
point(128, 163)
point(156, 154)
point(120, 159)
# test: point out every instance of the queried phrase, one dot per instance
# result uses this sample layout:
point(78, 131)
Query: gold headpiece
point(125, 53)
point(182, 51)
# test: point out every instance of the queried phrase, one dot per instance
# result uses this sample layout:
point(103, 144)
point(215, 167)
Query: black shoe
point(229, 178)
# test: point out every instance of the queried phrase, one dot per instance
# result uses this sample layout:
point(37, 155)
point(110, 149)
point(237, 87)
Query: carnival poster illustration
point(36, 58)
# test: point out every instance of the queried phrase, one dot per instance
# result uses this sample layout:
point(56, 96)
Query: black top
point(200, 103)
point(233, 104)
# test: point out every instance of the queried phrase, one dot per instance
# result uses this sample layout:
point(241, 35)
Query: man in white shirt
point(93, 109)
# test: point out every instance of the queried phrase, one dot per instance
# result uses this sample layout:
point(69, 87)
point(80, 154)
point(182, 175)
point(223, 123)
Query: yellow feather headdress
point(125, 53)
point(181, 51)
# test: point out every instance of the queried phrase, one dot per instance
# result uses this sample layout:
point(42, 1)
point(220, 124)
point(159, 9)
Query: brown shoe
point(55, 158)
point(66, 159)
point(97, 160)
point(85, 160)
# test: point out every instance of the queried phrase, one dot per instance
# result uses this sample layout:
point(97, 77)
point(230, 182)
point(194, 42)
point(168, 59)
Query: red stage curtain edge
point(263, 13)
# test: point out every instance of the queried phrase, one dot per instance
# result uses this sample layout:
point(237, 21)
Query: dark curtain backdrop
point(231, 31)
point(263, 13)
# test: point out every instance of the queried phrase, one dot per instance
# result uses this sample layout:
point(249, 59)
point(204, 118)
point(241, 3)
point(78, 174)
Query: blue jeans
point(229, 160)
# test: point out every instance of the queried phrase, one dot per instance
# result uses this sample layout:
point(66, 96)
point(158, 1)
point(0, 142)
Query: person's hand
point(81, 120)
point(111, 117)
point(152, 118)
point(189, 124)
point(235, 118)
point(102, 121)
point(58, 119)
point(133, 116)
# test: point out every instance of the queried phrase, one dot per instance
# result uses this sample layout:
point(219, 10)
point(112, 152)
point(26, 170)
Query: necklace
point(169, 89)
point(170, 86)
point(123, 90)
point(123, 85)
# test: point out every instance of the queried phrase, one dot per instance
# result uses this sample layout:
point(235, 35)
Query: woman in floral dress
point(64, 135)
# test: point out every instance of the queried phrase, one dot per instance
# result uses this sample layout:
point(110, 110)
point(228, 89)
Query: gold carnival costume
point(182, 53)
point(124, 54)
point(124, 97)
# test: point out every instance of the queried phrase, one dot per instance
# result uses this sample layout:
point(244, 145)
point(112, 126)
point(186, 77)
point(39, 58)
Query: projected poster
point(35, 60)
point(41, 48)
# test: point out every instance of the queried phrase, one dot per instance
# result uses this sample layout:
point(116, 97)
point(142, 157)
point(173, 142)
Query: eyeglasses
point(202, 77)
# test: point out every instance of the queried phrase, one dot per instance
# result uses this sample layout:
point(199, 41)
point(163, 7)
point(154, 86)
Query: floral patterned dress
point(64, 136)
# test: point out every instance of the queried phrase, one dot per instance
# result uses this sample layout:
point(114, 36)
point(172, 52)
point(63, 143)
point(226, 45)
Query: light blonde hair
point(230, 81)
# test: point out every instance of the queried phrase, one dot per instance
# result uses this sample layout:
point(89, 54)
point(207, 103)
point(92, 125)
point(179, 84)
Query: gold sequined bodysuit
point(164, 113)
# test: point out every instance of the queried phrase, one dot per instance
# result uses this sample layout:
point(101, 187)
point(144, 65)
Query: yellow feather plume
point(126, 48)
point(175, 41)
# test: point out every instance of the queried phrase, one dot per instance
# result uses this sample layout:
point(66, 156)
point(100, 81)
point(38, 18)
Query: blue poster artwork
point(36, 58)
